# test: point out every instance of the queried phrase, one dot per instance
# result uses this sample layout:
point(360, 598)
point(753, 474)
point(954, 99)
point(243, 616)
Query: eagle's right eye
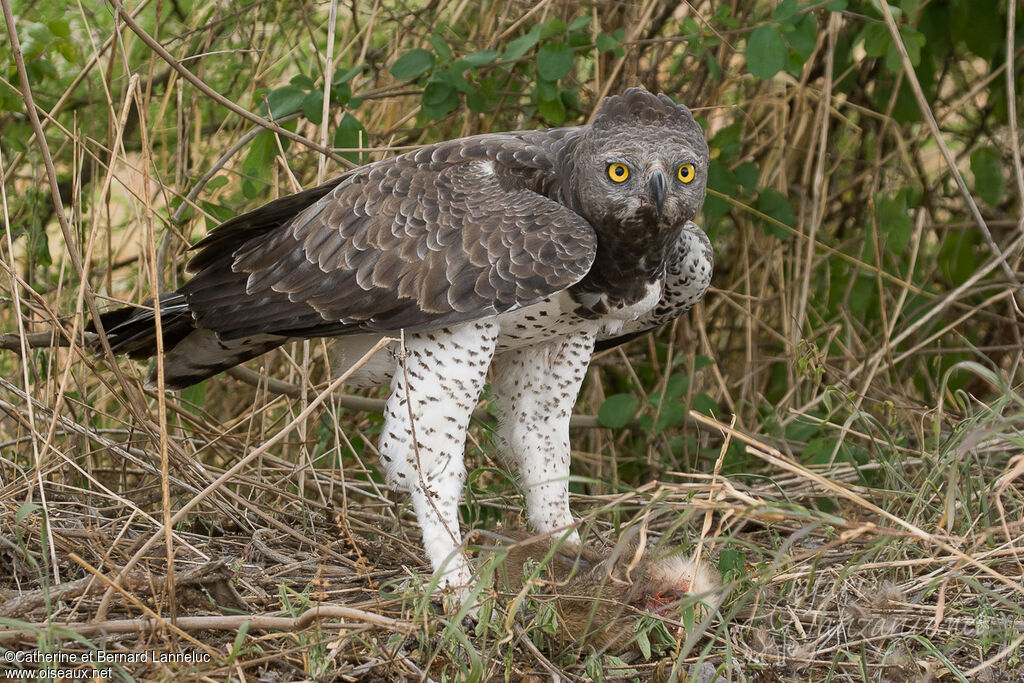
point(618, 172)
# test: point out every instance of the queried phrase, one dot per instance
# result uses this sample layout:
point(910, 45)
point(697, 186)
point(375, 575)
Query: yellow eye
point(618, 172)
point(686, 173)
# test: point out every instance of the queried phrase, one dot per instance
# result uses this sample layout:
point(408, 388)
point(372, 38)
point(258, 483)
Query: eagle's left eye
point(686, 173)
point(618, 172)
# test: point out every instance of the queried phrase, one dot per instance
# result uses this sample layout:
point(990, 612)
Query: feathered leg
point(434, 390)
point(535, 388)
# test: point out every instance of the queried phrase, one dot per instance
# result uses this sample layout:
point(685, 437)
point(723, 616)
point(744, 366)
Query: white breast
point(551, 318)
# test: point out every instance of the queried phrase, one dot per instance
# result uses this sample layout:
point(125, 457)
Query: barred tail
point(131, 330)
point(191, 354)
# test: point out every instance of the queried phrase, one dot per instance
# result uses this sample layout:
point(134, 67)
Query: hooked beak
point(656, 189)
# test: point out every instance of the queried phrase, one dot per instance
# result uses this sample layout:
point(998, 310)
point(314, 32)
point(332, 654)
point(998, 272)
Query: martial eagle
point(516, 252)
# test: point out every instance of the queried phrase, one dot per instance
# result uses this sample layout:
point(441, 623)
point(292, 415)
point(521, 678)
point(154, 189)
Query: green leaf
point(441, 48)
point(217, 183)
point(677, 385)
point(351, 135)
point(720, 179)
point(802, 429)
point(480, 57)
point(989, 181)
point(894, 222)
point(578, 40)
point(553, 110)
point(37, 32)
point(236, 647)
point(863, 295)
point(727, 140)
point(958, 257)
point(285, 101)
point(913, 42)
point(570, 98)
point(257, 164)
point(439, 97)
point(303, 82)
point(476, 102)
point(313, 106)
point(580, 23)
point(61, 29)
point(673, 412)
point(437, 92)
point(342, 94)
point(703, 403)
point(643, 642)
point(67, 50)
point(523, 44)
point(40, 69)
point(906, 109)
point(605, 42)
point(876, 39)
point(24, 510)
point(804, 36)
point(794, 64)
point(732, 562)
point(554, 61)
point(218, 213)
point(766, 52)
point(617, 410)
point(342, 75)
point(413, 64)
point(784, 10)
point(819, 451)
point(457, 81)
point(38, 244)
point(747, 175)
point(773, 203)
point(555, 27)
point(980, 25)
point(547, 90)
point(700, 361)
point(194, 398)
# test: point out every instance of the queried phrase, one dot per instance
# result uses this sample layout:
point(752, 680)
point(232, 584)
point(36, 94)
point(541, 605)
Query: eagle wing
point(449, 233)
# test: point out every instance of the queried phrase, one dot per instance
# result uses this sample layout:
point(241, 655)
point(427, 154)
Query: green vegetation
point(840, 426)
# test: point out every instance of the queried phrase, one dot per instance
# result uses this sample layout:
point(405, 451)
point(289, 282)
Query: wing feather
point(448, 233)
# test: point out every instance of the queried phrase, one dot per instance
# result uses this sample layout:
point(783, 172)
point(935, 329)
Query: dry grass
point(860, 489)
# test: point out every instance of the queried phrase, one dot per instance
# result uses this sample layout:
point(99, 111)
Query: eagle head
point(643, 162)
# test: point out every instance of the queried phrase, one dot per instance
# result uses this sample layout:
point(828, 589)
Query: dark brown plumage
point(449, 233)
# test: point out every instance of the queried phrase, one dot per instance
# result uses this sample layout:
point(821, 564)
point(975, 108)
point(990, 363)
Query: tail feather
point(190, 354)
point(193, 353)
point(202, 354)
point(132, 330)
